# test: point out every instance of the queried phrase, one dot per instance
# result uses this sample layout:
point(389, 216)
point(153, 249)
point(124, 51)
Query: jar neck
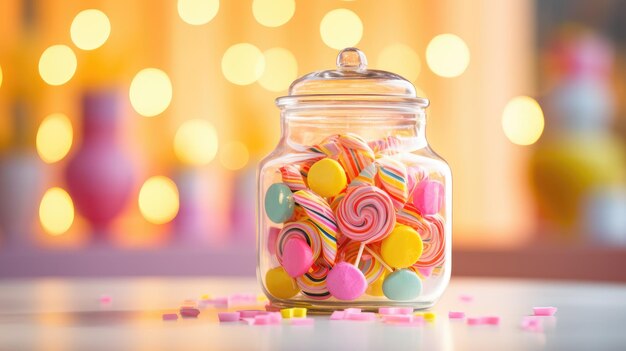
point(301, 129)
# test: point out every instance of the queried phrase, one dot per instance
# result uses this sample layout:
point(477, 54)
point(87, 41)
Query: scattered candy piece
point(544, 311)
point(299, 312)
point(205, 297)
point(275, 317)
point(388, 310)
point(228, 316)
point(532, 323)
point(250, 313)
point(430, 316)
point(475, 321)
point(170, 316)
point(466, 298)
point(362, 316)
point(404, 310)
point(286, 313)
point(456, 315)
point(337, 315)
point(302, 321)
point(398, 318)
point(262, 320)
point(189, 312)
point(248, 321)
point(492, 320)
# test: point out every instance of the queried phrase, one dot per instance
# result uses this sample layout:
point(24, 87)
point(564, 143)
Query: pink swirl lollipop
point(313, 283)
point(292, 177)
point(304, 230)
point(320, 214)
point(366, 214)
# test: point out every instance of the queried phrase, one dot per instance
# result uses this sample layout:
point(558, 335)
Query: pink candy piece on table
point(337, 315)
point(544, 311)
point(302, 321)
point(362, 316)
point(228, 316)
point(398, 318)
point(345, 281)
point(189, 312)
point(395, 310)
point(428, 197)
point(532, 323)
point(170, 316)
point(250, 313)
point(490, 320)
point(297, 257)
point(456, 315)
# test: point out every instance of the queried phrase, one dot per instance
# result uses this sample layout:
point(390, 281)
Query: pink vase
point(99, 175)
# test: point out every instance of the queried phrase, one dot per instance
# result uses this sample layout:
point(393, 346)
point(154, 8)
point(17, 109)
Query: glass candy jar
point(354, 208)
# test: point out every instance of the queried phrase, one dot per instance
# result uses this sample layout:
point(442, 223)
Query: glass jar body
point(390, 217)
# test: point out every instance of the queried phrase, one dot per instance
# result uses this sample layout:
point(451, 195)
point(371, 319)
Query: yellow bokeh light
point(522, 120)
point(234, 155)
point(54, 137)
point(158, 200)
point(243, 64)
point(400, 59)
point(56, 211)
point(447, 55)
point(198, 12)
point(195, 142)
point(57, 64)
point(281, 68)
point(273, 13)
point(341, 28)
point(90, 29)
point(150, 92)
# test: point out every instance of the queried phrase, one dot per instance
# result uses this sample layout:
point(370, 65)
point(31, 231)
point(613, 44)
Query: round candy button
point(280, 284)
point(297, 257)
point(346, 282)
point(402, 248)
point(402, 284)
point(327, 178)
point(279, 203)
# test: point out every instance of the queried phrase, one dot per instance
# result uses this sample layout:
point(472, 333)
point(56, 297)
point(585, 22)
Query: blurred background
point(130, 131)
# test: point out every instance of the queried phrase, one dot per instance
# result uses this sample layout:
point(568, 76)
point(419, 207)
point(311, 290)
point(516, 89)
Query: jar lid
point(352, 81)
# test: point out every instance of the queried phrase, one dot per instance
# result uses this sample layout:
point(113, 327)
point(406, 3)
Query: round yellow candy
point(327, 178)
point(280, 284)
point(402, 248)
point(376, 287)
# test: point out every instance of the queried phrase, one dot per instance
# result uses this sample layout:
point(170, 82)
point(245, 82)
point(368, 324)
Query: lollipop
point(313, 283)
point(393, 178)
point(366, 177)
point(294, 257)
point(434, 243)
point(320, 214)
point(292, 177)
point(366, 214)
point(411, 217)
point(369, 265)
point(329, 146)
point(385, 146)
point(354, 155)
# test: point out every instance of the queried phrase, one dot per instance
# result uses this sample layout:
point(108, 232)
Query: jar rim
point(365, 100)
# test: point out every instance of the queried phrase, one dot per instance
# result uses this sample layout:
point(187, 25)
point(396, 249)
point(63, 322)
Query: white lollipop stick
point(378, 258)
point(358, 256)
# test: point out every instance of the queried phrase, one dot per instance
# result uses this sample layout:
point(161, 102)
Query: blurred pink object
point(169, 316)
point(302, 321)
point(105, 299)
point(544, 311)
point(99, 175)
point(532, 323)
point(456, 315)
point(466, 298)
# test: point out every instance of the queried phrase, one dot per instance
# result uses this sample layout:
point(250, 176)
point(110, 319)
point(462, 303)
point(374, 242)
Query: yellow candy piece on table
point(262, 298)
point(280, 284)
point(205, 297)
point(286, 313)
point(402, 248)
point(327, 178)
point(299, 312)
point(429, 316)
point(376, 287)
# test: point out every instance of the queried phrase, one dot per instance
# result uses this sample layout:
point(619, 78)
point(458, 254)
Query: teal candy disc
point(402, 284)
point(279, 203)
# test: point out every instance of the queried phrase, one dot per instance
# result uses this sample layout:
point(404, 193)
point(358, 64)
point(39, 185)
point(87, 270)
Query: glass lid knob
point(351, 59)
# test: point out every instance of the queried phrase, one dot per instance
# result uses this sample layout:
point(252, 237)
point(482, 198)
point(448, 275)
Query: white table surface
point(65, 314)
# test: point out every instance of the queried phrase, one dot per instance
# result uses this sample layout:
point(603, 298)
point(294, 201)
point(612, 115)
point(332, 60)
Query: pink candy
point(228, 316)
point(362, 316)
point(250, 313)
point(456, 315)
point(346, 282)
point(395, 310)
point(489, 320)
point(398, 318)
point(337, 315)
point(302, 321)
point(544, 311)
point(170, 316)
point(428, 197)
point(189, 312)
point(532, 323)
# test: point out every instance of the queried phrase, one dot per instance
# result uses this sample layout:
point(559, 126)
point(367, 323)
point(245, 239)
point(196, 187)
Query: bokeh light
point(57, 64)
point(243, 64)
point(341, 28)
point(234, 155)
point(150, 92)
point(273, 13)
point(90, 29)
point(158, 200)
point(195, 142)
point(522, 120)
point(56, 211)
point(447, 55)
point(0, 76)
point(198, 12)
point(281, 68)
point(54, 137)
point(400, 59)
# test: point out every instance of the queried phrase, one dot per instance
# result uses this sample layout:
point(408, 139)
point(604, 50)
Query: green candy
point(279, 203)
point(401, 285)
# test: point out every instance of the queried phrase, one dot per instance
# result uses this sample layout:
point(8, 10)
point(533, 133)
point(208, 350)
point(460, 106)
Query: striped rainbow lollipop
point(386, 146)
point(366, 177)
point(393, 178)
point(411, 217)
point(366, 214)
point(304, 230)
point(369, 265)
point(313, 283)
point(320, 213)
point(434, 243)
point(329, 146)
point(292, 177)
point(354, 155)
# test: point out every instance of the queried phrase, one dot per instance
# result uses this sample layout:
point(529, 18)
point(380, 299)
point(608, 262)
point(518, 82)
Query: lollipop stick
point(378, 258)
point(358, 256)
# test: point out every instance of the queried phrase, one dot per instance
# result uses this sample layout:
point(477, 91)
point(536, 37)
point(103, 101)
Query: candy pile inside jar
point(356, 221)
